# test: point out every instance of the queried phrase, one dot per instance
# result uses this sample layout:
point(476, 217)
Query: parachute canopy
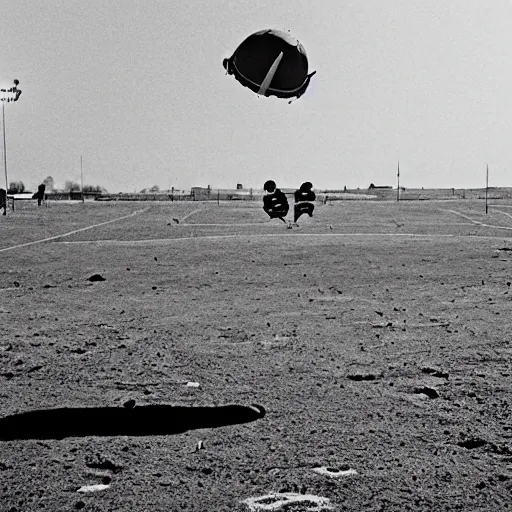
point(271, 63)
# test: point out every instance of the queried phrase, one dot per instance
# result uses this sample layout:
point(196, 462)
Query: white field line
point(504, 213)
point(230, 225)
point(508, 228)
point(190, 214)
point(280, 225)
point(69, 233)
point(270, 235)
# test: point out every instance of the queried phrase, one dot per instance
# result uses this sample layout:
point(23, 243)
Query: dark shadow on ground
point(148, 420)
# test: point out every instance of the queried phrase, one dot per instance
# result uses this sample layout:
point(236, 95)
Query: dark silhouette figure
point(275, 203)
point(303, 196)
point(3, 200)
point(40, 194)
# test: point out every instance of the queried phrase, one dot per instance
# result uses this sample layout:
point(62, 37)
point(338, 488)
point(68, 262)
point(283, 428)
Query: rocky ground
point(377, 338)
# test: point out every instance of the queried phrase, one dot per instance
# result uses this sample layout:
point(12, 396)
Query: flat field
point(376, 336)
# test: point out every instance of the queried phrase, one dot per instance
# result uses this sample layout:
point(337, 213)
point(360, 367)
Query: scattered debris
point(34, 368)
point(472, 443)
point(425, 390)
point(337, 472)
point(105, 465)
point(435, 373)
point(289, 501)
point(95, 278)
point(93, 488)
point(360, 376)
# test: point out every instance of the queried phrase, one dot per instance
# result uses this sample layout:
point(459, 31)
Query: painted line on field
point(504, 213)
point(508, 228)
point(69, 233)
point(190, 214)
point(230, 225)
point(163, 241)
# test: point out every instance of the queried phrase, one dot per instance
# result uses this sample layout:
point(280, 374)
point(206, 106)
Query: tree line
point(18, 187)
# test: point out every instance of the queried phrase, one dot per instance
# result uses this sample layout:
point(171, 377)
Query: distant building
point(380, 187)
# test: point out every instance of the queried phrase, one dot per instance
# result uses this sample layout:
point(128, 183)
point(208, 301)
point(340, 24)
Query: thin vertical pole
point(218, 197)
point(486, 187)
point(82, 178)
point(398, 184)
point(5, 157)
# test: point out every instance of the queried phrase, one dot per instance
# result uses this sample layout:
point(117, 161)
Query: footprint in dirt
point(335, 472)
point(288, 501)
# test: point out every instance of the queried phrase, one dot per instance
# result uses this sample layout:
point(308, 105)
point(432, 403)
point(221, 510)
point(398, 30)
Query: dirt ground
point(376, 336)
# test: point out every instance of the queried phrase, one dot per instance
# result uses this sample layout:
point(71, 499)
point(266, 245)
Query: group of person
point(275, 202)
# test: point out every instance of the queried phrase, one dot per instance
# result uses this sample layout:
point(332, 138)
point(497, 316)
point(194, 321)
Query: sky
point(137, 88)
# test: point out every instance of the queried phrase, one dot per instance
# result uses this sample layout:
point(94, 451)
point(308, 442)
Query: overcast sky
point(138, 89)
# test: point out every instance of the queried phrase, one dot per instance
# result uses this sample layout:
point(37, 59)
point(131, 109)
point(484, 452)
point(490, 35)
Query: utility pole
point(12, 94)
point(486, 188)
point(398, 184)
point(82, 178)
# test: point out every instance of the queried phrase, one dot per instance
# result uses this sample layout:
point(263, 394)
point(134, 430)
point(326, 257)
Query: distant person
point(303, 197)
point(40, 194)
point(3, 200)
point(275, 203)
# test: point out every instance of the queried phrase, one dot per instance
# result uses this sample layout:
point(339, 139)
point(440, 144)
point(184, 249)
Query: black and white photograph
point(256, 256)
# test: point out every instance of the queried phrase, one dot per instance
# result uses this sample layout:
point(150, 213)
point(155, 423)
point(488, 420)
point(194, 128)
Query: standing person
point(275, 203)
point(303, 196)
point(41, 189)
point(3, 200)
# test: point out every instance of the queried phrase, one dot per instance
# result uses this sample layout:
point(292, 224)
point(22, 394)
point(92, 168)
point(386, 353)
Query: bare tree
point(16, 187)
point(49, 182)
point(71, 186)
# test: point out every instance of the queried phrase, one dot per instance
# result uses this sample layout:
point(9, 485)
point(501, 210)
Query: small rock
point(425, 390)
point(472, 443)
point(93, 488)
point(95, 278)
point(129, 404)
point(360, 377)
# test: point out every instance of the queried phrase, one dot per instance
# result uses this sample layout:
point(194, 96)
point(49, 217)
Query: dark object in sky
point(275, 203)
point(271, 63)
point(302, 197)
